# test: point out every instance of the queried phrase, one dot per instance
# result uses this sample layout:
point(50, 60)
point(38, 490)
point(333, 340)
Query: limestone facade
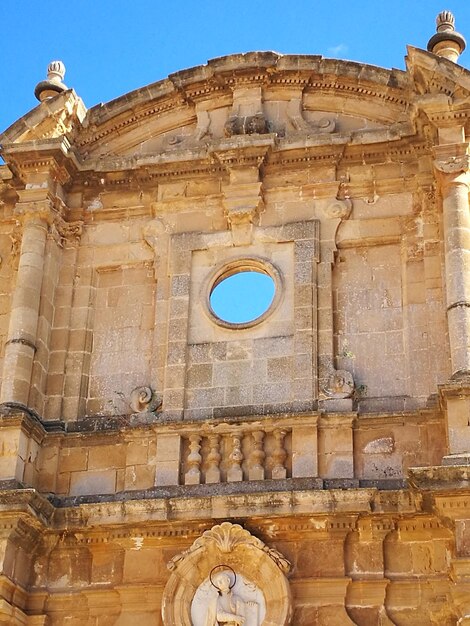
point(319, 456)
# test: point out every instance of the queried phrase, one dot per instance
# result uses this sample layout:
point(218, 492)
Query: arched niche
point(233, 546)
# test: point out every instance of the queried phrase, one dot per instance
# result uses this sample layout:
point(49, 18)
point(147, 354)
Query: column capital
point(452, 164)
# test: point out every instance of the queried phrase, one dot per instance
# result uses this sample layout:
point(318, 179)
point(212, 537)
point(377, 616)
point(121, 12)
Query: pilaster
point(452, 165)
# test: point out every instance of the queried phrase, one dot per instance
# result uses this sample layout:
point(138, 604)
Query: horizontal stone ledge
point(253, 487)
point(325, 494)
point(14, 414)
point(440, 477)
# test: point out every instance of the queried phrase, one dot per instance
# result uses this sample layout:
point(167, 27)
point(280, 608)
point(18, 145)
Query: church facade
point(310, 466)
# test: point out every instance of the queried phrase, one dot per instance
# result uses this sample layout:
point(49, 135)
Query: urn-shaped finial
point(56, 70)
point(445, 21)
point(446, 42)
point(53, 83)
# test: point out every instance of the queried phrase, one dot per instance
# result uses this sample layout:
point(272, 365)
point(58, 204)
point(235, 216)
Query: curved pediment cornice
point(285, 95)
point(307, 106)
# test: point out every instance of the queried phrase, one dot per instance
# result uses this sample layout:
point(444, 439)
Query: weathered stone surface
point(335, 427)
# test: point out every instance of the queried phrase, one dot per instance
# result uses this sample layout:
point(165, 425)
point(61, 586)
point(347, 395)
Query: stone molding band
point(23, 341)
point(454, 305)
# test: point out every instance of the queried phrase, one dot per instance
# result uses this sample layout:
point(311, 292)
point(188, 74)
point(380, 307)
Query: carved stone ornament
point(246, 125)
point(228, 577)
point(294, 111)
point(339, 209)
point(144, 400)
point(340, 385)
point(453, 165)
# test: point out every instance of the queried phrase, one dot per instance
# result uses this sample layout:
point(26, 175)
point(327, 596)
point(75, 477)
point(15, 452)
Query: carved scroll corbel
point(152, 234)
point(336, 387)
point(243, 195)
point(295, 115)
point(145, 400)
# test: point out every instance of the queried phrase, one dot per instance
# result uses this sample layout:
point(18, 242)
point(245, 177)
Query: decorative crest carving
point(246, 125)
point(227, 537)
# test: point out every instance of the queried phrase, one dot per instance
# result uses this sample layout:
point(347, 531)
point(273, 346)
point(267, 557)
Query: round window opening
point(242, 296)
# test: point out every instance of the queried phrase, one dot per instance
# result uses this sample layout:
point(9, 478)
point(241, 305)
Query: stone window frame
point(305, 237)
point(232, 267)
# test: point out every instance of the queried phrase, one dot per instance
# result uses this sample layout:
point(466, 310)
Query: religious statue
point(227, 599)
point(226, 609)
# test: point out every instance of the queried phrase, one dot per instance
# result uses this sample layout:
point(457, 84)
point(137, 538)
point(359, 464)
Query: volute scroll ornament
point(144, 400)
point(228, 577)
point(295, 116)
point(339, 209)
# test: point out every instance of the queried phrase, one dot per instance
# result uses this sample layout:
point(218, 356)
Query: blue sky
point(113, 46)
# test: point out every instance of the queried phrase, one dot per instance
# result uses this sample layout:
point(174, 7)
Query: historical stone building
point(163, 466)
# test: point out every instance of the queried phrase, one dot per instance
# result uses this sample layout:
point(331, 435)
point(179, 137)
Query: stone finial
point(53, 83)
point(446, 42)
point(445, 21)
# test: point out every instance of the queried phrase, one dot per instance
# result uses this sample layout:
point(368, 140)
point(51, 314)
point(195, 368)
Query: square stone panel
point(203, 329)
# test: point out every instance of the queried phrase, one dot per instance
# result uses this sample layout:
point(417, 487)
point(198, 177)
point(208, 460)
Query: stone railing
point(271, 449)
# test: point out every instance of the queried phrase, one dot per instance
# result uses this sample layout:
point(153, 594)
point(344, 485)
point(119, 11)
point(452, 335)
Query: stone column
point(454, 181)
point(453, 175)
point(21, 343)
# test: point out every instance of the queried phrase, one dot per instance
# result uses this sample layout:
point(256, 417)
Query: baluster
point(257, 456)
point(279, 455)
point(193, 475)
point(213, 460)
point(235, 472)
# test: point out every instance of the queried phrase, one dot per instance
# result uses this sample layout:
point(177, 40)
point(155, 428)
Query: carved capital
point(453, 164)
point(66, 232)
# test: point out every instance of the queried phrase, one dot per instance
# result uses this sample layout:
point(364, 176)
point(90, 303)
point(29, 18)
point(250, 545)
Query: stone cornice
point(111, 172)
point(221, 76)
point(329, 511)
point(161, 514)
point(53, 156)
point(441, 478)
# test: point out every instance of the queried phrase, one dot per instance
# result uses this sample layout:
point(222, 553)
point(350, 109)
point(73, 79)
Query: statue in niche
point(217, 603)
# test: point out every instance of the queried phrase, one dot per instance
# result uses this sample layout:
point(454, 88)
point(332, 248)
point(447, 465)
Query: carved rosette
point(234, 547)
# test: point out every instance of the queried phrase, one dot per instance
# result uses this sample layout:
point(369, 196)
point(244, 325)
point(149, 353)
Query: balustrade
point(247, 451)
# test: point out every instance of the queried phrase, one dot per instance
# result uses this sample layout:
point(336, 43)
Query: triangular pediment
point(436, 75)
point(55, 117)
